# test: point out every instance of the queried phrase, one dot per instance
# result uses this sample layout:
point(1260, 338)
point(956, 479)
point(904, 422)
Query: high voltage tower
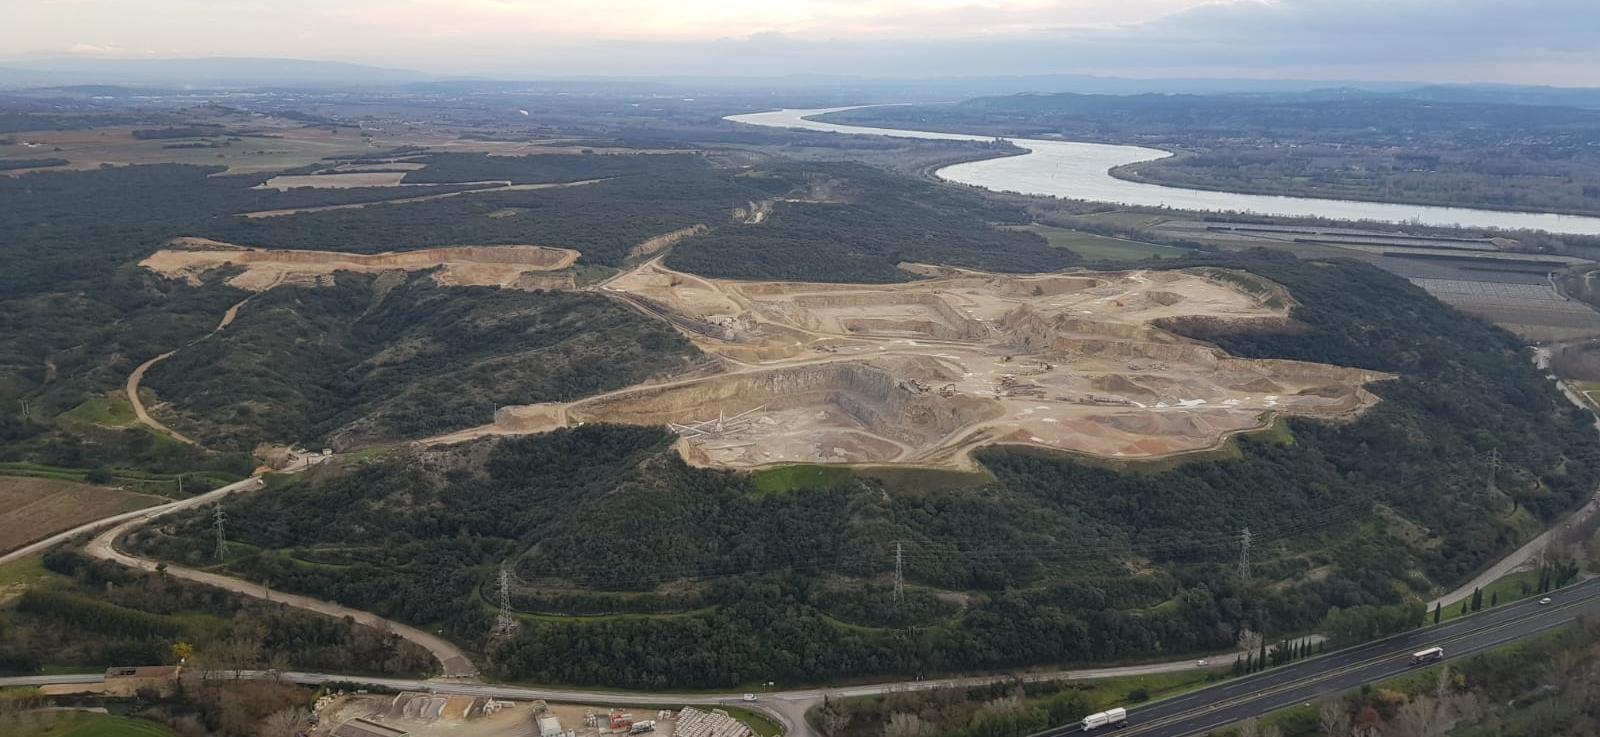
point(219, 520)
point(899, 573)
point(1244, 556)
point(1494, 469)
point(504, 623)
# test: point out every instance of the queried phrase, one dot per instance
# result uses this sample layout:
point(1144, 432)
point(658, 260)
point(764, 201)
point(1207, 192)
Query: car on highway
point(1201, 663)
point(1545, 600)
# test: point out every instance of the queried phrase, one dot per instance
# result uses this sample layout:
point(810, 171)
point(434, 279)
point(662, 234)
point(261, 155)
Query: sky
point(1553, 42)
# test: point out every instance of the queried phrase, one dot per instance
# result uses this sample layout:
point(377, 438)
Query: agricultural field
point(35, 508)
point(1534, 311)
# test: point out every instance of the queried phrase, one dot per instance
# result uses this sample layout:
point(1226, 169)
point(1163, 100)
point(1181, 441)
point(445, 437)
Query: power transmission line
point(899, 573)
point(219, 521)
point(505, 623)
point(1244, 556)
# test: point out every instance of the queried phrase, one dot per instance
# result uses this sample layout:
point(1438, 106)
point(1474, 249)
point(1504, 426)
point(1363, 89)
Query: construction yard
point(416, 714)
point(923, 373)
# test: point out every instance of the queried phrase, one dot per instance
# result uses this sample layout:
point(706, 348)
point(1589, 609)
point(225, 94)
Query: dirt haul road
point(494, 186)
point(135, 378)
point(453, 662)
point(922, 373)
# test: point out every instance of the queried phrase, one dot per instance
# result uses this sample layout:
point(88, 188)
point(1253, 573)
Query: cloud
point(94, 50)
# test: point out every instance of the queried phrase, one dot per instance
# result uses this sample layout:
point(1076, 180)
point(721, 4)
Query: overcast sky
point(1523, 41)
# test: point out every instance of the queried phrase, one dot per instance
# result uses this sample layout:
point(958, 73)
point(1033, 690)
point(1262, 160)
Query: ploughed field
point(35, 508)
point(923, 373)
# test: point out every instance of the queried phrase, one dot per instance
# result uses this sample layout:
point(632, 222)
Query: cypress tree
point(1436, 613)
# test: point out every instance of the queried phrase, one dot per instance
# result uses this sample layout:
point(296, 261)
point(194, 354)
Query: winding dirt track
point(138, 404)
point(138, 376)
point(493, 186)
point(453, 662)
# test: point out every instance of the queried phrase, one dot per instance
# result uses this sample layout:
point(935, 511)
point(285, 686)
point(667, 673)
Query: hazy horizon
point(1445, 41)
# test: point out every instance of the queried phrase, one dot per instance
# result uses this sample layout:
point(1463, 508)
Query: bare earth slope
point(497, 266)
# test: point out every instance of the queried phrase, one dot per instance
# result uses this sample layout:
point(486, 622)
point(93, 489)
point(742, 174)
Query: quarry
point(922, 373)
point(259, 269)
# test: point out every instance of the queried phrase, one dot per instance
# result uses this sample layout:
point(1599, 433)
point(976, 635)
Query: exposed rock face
point(922, 373)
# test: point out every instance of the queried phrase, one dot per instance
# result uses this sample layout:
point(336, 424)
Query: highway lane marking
point(1391, 674)
point(1341, 670)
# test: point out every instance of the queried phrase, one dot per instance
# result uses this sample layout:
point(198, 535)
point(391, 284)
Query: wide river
point(1082, 171)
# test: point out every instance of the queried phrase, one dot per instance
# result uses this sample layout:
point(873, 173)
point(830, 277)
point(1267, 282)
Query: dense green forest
point(543, 168)
point(77, 315)
point(88, 613)
point(832, 221)
point(381, 358)
point(603, 220)
point(866, 223)
point(1341, 145)
point(714, 583)
point(10, 164)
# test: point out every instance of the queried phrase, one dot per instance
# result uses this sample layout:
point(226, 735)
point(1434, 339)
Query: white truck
point(1427, 656)
point(1110, 717)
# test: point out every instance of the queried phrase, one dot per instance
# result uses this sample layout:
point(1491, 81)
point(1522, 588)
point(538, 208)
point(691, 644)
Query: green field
point(164, 484)
point(84, 724)
point(897, 480)
point(785, 479)
point(1509, 588)
point(107, 410)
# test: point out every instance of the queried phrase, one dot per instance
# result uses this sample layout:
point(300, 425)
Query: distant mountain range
point(158, 76)
point(211, 72)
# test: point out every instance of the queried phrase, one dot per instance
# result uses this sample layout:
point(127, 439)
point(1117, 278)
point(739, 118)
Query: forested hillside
point(77, 314)
point(84, 614)
point(603, 220)
point(850, 223)
point(382, 358)
point(719, 582)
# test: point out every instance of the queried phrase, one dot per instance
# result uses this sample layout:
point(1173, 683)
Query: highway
point(1304, 682)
